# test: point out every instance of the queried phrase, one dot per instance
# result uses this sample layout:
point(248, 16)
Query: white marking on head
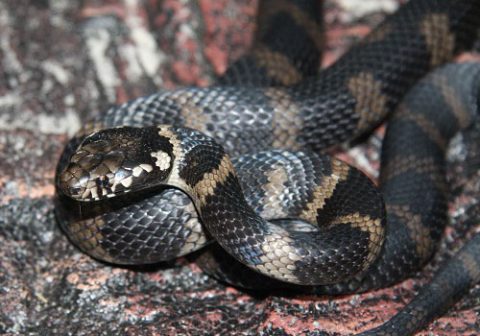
point(127, 182)
point(137, 171)
point(86, 194)
point(145, 166)
point(94, 192)
point(162, 159)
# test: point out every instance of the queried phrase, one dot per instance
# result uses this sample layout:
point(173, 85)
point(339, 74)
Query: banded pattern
point(413, 185)
point(287, 46)
point(452, 282)
point(415, 191)
point(350, 216)
point(302, 110)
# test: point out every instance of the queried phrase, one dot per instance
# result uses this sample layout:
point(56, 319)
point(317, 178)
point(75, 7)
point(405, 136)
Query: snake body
point(188, 160)
point(126, 150)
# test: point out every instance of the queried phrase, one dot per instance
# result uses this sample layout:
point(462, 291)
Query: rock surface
point(62, 62)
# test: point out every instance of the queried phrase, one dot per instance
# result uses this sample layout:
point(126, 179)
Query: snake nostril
point(75, 191)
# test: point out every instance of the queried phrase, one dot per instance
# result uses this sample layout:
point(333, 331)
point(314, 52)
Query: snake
point(242, 163)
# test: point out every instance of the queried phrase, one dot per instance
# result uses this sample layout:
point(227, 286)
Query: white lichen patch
point(98, 44)
point(144, 55)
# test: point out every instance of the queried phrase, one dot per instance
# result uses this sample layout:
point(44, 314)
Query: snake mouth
point(97, 177)
point(73, 182)
point(82, 185)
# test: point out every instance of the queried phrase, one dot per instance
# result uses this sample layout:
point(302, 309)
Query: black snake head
point(115, 161)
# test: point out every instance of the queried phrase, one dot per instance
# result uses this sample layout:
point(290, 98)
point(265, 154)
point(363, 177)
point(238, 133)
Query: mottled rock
point(62, 62)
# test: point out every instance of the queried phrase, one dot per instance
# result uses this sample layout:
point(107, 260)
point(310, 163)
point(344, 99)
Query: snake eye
point(103, 182)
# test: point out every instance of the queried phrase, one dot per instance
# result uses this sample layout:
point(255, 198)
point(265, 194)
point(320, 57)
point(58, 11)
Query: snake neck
point(204, 171)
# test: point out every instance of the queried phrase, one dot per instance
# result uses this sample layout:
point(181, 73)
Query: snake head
point(115, 161)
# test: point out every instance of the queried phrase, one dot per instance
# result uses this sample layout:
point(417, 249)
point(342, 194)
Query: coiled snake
point(261, 129)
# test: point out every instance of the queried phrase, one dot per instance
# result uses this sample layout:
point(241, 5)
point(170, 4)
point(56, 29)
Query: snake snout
point(96, 176)
point(112, 162)
point(74, 182)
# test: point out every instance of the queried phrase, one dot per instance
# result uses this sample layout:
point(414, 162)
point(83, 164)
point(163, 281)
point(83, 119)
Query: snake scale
point(160, 176)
